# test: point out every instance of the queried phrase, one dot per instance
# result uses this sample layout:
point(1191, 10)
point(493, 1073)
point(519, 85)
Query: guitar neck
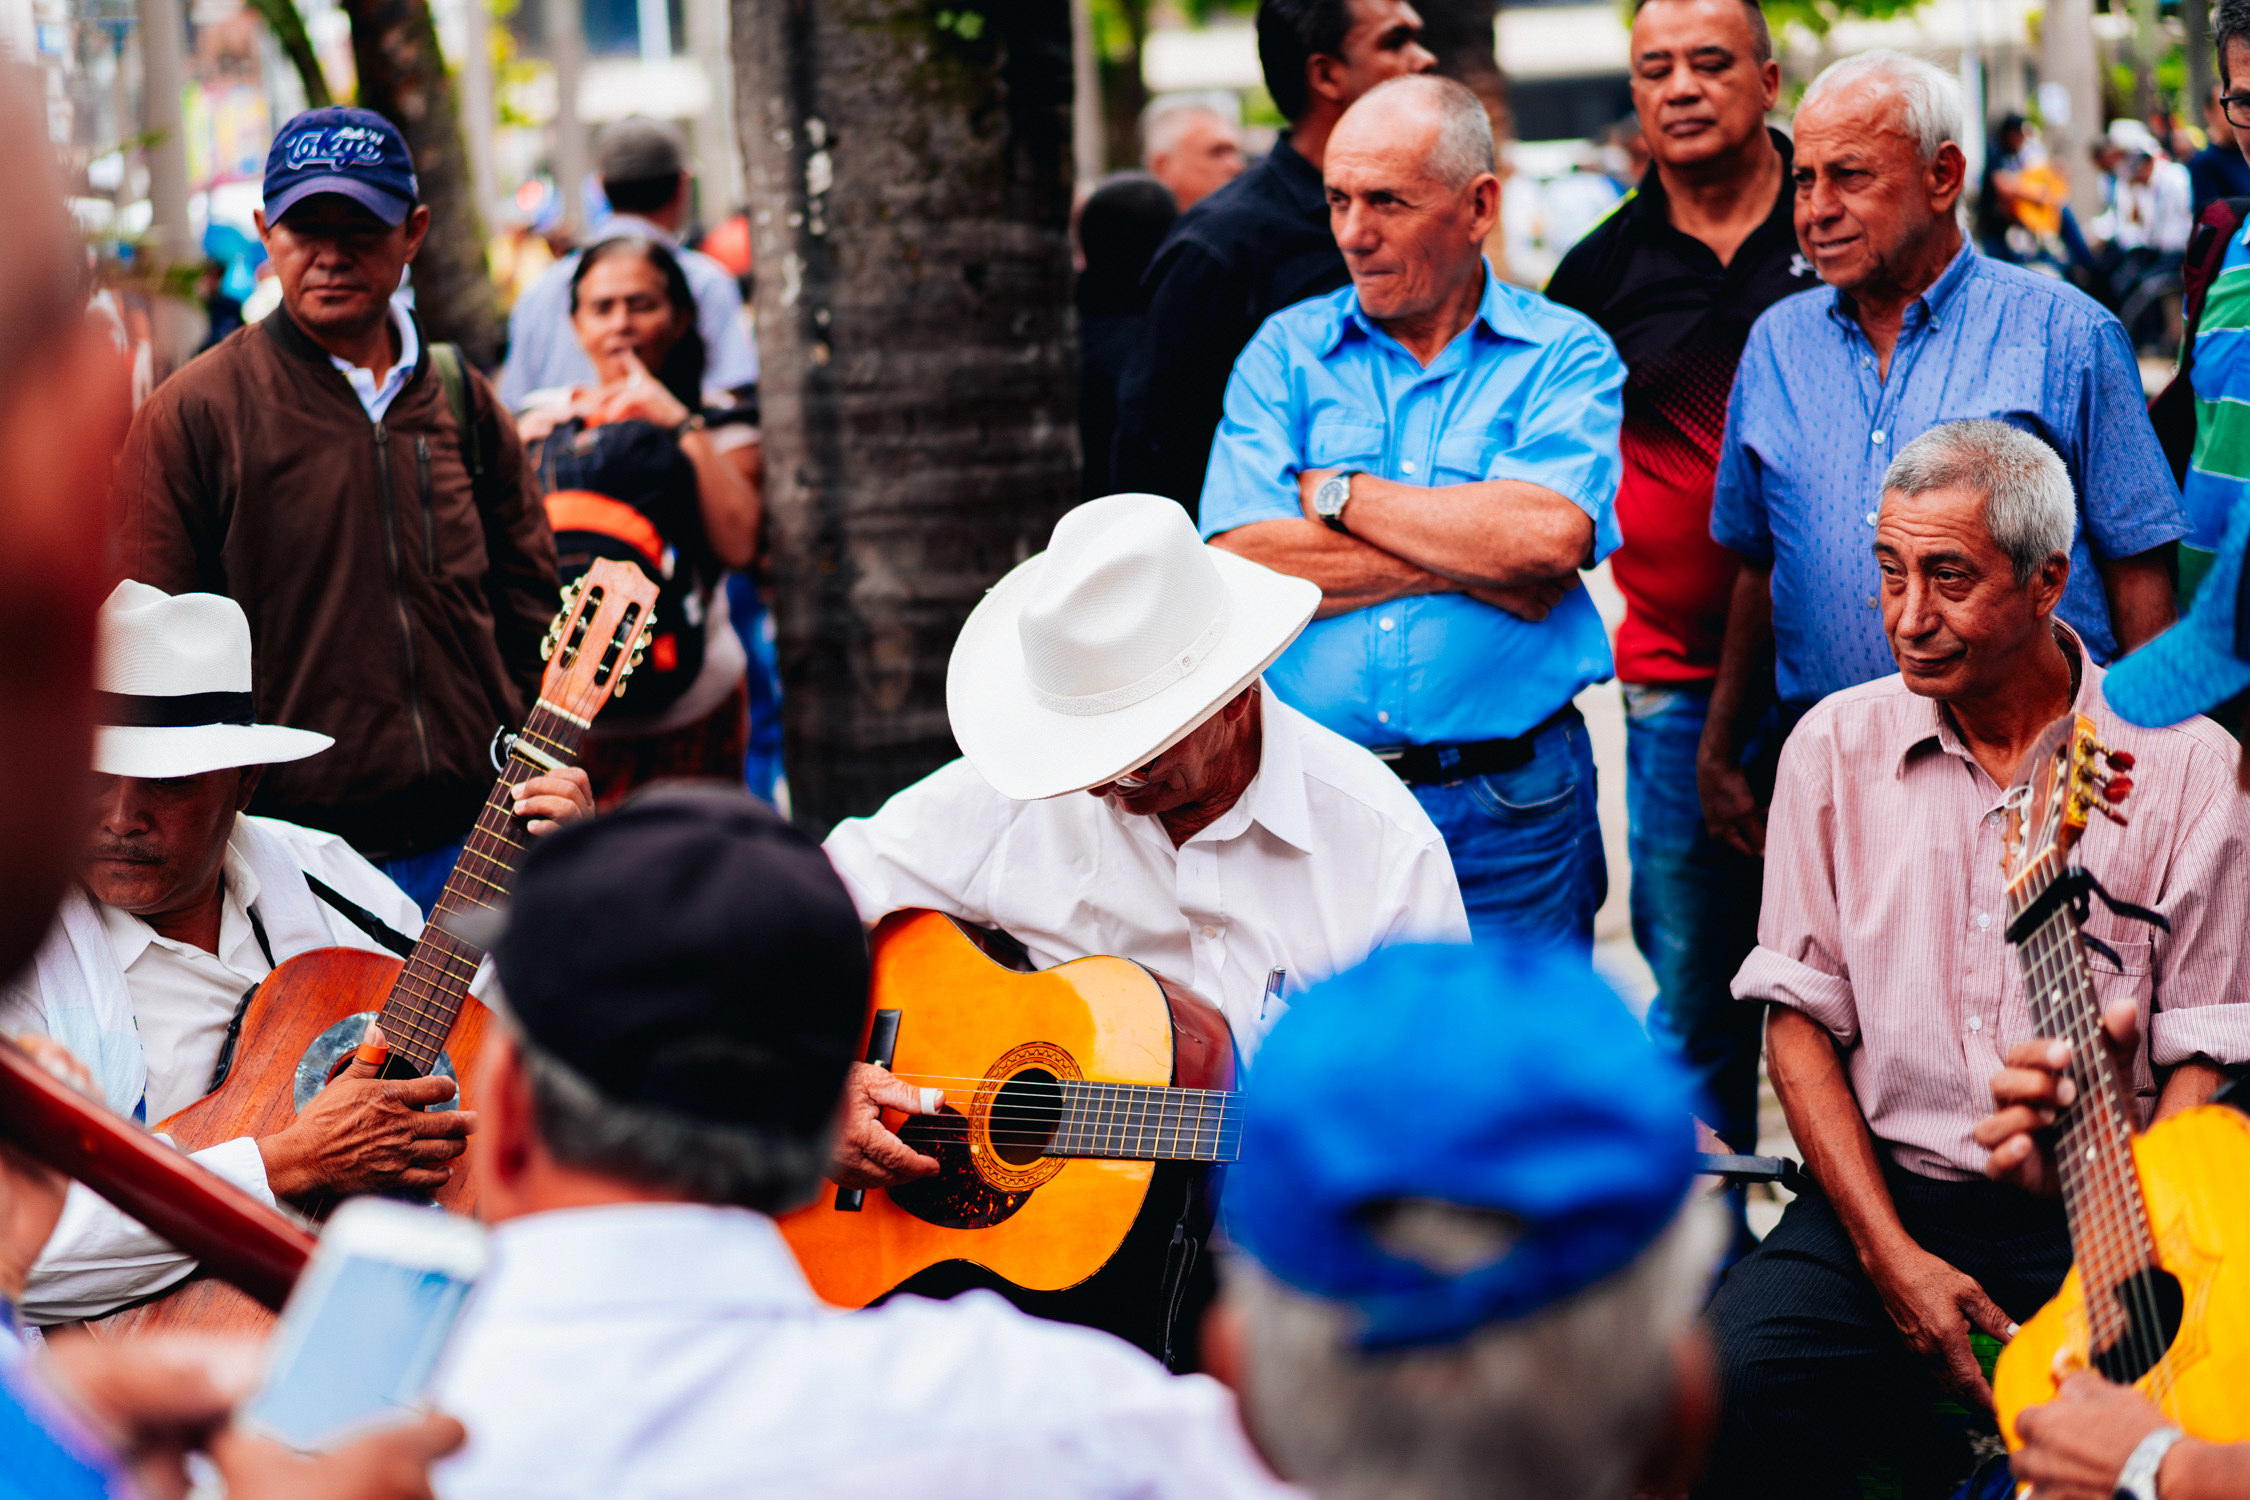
point(428, 995)
point(2093, 1143)
point(1147, 1122)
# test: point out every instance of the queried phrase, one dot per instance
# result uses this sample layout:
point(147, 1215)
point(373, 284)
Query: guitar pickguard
point(957, 1197)
point(319, 1062)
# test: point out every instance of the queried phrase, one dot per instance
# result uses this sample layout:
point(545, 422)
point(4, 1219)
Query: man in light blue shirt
point(643, 169)
point(1438, 451)
point(1913, 328)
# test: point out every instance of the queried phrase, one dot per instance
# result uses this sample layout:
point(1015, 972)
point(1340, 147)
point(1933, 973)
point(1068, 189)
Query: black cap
point(690, 952)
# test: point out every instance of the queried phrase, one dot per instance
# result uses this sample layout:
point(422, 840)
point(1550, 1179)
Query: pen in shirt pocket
point(1275, 979)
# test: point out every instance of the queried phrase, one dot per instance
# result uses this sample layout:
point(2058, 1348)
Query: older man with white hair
point(1914, 328)
point(1438, 451)
point(1191, 145)
point(1893, 994)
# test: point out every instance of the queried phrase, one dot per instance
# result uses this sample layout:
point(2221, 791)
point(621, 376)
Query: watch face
point(1330, 497)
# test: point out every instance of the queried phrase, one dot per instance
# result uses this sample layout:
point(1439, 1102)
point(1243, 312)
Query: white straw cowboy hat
point(175, 689)
point(1101, 653)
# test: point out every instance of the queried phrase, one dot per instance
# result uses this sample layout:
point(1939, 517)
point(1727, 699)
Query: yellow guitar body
point(2195, 1175)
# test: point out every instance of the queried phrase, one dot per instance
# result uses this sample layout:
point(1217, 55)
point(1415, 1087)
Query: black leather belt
point(1440, 764)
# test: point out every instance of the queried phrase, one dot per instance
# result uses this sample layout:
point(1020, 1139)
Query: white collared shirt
point(377, 398)
point(672, 1351)
point(1325, 858)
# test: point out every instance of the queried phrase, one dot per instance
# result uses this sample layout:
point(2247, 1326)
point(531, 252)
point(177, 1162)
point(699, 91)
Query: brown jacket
point(388, 606)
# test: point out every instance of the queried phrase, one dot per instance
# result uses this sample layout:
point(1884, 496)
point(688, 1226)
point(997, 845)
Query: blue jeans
point(422, 876)
point(1527, 843)
point(761, 766)
point(1695, 908)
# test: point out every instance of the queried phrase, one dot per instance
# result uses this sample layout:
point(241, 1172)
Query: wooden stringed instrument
point(2159, 1220)
point(307, 1017)
point(233, 1236)
point(1083, 1106)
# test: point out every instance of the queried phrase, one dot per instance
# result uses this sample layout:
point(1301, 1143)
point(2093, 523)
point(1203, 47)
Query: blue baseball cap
point(1500, 1078)
point(2204, 659)
point(354, 152)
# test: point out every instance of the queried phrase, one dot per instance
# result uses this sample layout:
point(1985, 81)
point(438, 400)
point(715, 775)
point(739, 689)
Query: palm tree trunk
point(911, 166)
point(402, 77)
point(288, 28)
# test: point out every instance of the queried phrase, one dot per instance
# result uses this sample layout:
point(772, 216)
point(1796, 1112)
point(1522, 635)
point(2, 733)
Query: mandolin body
point(2193, 1169)
point(1044, 1223)
point(308, 998)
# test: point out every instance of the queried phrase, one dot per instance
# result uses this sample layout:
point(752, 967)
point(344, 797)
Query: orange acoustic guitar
point(307, 1017)
point(1084, 1106)
point(2159, 1221)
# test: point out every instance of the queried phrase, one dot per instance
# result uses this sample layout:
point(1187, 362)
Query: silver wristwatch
point(2137, 1480)
point(1329, 500)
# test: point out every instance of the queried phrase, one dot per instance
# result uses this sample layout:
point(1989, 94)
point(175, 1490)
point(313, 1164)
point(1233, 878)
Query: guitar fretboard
point(2093, 1145)
point(424, 1003)
point(1147, 1122)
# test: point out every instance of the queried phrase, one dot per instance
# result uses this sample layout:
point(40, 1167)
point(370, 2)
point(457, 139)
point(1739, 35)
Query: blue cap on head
point(354, 152)
point(1495, 1078)
point(2204, 659)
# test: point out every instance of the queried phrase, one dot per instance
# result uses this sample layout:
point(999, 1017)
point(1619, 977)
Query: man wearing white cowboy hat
point(1226, 841)
point(184, 904)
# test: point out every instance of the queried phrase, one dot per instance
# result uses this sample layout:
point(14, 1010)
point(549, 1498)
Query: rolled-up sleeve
point(1799, 958)
point(1257, 454)
point(1566, 432)
point(2203, 963)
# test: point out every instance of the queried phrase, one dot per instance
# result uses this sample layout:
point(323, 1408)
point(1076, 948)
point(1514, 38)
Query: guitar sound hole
point(2153, 1305)
point(1025, 1114)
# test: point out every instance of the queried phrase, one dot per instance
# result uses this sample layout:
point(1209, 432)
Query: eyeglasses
point(2237, 109)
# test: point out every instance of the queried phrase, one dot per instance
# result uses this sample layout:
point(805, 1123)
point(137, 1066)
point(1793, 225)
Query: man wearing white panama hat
point(1226, 836)
point(184, 904)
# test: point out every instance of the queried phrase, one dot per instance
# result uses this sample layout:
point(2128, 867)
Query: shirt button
point(1876, 436)
point(1984, 919)
point(1210, 932)
point(1871, 518)
point(1867, 361)
point(1408, 466)
point(1976, 1023)
point(1382, 716)
point(1870, 601)
point(1386, 623)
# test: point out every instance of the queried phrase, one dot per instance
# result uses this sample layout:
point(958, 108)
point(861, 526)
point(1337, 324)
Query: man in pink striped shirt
point(1893, 993)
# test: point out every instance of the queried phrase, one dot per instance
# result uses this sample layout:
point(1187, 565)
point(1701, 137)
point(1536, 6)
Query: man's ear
point(417, 228)
point(251, 776)
point(1324, 79)
point(2048, 583)
point(502, 1145)
point(1948, 174)
point(1484, 206)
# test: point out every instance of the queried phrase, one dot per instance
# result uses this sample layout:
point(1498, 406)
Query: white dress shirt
point(1325, 858)
point(671, 1351)
point(376, 399)
point(183, 998)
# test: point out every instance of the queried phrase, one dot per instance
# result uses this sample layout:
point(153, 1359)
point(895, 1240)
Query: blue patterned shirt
point(1528, 391)
point(1810, 430)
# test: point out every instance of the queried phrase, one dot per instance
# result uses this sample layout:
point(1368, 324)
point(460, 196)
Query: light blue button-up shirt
point(1528, 391)
point(1811, 429)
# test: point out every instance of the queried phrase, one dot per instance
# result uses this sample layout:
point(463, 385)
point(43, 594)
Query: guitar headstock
point(598, 639)
point(2067, 777)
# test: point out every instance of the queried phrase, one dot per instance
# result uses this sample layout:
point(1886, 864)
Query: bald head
point(62, 413)
point(1435, 120)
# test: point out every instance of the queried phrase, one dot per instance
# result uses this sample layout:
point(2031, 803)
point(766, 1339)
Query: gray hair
point(2029, 506)
point(1166, 119)
point(1463, 149)
point(1567, 1404)
point(654, 1148)
point(1929, 99)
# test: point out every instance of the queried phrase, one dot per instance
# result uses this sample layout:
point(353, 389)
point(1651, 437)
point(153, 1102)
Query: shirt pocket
point(1337, 441)
point(2130, 976)
point(1466, 457)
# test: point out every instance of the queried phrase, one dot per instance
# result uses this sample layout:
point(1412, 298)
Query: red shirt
point(1679, 320)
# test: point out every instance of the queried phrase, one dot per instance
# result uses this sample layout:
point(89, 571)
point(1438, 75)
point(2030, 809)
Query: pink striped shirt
point(1884, 913)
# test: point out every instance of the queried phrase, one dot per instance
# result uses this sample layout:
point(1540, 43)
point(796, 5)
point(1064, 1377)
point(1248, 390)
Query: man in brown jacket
point(312, 468)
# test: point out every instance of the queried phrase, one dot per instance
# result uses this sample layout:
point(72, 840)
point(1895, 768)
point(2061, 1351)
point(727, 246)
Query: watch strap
point(2137, 1480)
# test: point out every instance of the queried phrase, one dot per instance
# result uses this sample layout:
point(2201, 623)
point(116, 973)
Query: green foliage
point(961, 22)
point(1821, 16)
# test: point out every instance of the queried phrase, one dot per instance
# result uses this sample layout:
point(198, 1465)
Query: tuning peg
point(2118, 788)
point(2113, 815)
point(2119, 760)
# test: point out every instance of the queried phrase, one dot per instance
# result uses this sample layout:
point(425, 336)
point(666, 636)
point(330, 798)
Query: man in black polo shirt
point(1676, 276)
point(1256, 245)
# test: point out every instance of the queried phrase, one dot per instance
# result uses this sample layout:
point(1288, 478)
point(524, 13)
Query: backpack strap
point(453, 374)
point(2172, 412)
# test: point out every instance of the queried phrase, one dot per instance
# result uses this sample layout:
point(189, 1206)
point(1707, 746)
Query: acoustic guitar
point(234, 1237)
point(2159, 1223)
point(306, 1019)
point(1084, 1104)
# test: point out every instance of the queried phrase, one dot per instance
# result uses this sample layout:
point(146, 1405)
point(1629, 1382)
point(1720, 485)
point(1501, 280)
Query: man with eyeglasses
point(2219, 363)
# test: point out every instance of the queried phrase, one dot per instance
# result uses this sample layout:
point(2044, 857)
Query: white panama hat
point(175, 689)
point(1101, 653)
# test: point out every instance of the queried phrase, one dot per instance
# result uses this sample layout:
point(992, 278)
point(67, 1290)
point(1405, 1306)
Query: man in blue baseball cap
point(334, 433)
point(1470, 1259)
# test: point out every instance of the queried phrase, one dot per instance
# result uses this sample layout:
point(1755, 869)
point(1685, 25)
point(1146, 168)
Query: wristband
point(2137, 1480)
